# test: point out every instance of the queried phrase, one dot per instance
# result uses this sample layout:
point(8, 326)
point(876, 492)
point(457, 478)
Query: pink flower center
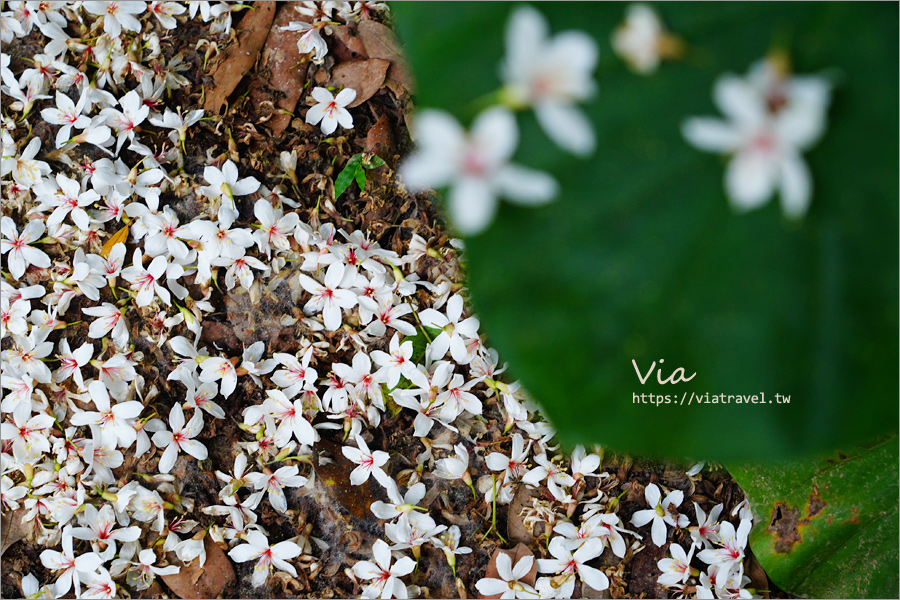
point(473, 164)
point(764, 142)
point(145, 281)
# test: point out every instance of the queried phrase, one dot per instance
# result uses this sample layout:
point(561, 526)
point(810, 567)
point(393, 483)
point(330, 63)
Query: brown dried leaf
point(380, 138)
point(381, 42)
point(365, 76)
point(347, 43)
point(516, 554)
point(516, 529)
point(285, 66)
point(13, 528)
point(254, 28)
point(208, 581)
point(334, 478)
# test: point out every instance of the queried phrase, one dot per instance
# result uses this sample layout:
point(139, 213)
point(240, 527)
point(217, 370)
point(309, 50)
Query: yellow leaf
point(119, 236)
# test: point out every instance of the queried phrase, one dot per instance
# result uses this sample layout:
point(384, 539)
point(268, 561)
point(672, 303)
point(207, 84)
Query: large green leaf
point(642, 259)
point(827, 528)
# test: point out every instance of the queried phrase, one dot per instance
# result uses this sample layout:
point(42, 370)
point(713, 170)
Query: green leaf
point(641, 258)
point(420, 342)
point(351, 171)
point(827, 528)
point(373, 162)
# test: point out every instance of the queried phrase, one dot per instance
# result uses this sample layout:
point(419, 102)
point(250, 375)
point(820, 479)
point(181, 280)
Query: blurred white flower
point(642, 41)
point(475, 166)
point(677, 569)
point(551, 75)
point(165, 12)
point(772, 118)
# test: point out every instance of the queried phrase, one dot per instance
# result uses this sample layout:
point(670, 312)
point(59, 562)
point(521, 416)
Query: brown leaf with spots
point(365, 76)
point(253, 28)
point(515, 555)
point(347, 43)
point(208, 581)
point(284, 68)
point(380, 138)
point(381, 42)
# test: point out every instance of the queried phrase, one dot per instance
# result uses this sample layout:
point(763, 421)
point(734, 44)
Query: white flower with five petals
point(180, 438)
point(331, 111)
point(551, 74)
point(771, 119)
point(328, 297)
point(661, 512)
point(19, 253)
point(385, 578)
point(258, 548)
point(474, 165)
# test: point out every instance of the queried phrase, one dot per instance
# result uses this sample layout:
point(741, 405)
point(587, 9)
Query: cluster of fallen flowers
point(66, 429)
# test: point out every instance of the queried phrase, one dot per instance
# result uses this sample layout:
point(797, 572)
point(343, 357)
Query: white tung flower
point(771, 119)
point(19, 253)
point(117, 15)
point(180, 438)
point(328, 297)
point(26, 171)
point(311, 41)
point(115, 421)
point(225, 185)
point(384, 578)
point(475, 166)
point(642, 41)
point(661, 512)
point(331, 110)
point(146, 281)
point(369, 463)
point(551, 74)
point(509, 585)
point(258, 548)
